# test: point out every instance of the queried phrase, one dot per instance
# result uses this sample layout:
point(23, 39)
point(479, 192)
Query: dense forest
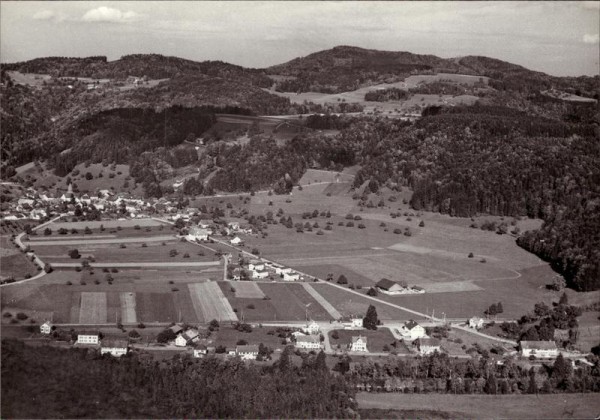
point(442, 374)
point(79, 383)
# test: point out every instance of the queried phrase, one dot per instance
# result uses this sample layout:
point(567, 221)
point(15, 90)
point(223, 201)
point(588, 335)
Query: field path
point(322, 301)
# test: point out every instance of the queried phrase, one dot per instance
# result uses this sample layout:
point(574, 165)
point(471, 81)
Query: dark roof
point(538, 345)
point(434, 342)
point(250, 348)
point(386, 284)
point(411, 324)
point(115, 343)
point(88, 333)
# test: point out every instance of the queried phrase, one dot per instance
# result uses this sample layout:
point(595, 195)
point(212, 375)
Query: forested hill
point(153, 66)
point(345, 68)
point(78, 383)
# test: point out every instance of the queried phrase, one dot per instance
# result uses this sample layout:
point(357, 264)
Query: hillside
point(346, 68)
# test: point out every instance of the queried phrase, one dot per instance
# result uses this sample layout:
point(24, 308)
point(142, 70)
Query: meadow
point(538, 406)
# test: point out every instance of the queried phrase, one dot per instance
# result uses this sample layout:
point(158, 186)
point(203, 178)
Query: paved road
point(142, 264)
point(162, 238)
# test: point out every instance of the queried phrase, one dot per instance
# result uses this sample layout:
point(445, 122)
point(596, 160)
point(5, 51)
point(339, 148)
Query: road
point(434, 320)
point(142, 264)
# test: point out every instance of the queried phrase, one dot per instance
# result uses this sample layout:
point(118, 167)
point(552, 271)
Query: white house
point(354, 324)
point(358, 343)
point(428, 345)
point(46, 328)
point(389, 287)
point(308, 342)
point(475, 322)
point(198, 234)
point(247, 352)
point(291, 276)
point(411, 331)
point(87, 338)
point(312, 328)
point(256, 265)
point(116, 348)
point(282, 270)
point(186, 337)
point(200, 351)
point(236, 241)
point(260, 274)
point(233, 225)
point(542, 349)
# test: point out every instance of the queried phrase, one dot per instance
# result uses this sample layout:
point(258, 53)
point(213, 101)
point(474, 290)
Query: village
point(400, 338)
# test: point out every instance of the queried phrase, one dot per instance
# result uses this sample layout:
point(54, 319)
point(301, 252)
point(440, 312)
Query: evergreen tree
point(370, 320)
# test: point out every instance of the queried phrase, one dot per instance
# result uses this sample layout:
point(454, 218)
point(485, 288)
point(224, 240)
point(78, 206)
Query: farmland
point(484, 406)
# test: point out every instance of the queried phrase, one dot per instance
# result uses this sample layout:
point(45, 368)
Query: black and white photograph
point(300, 209)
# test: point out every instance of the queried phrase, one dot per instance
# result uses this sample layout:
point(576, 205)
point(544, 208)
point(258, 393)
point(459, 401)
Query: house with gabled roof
point(88, 337)
point(389, 287)
point(308, 342)
point(358, 343)
point(247, 352)
point(116, 348)
point(540, 349)
point(428, 345)
point(411, 331)
point(46, 328)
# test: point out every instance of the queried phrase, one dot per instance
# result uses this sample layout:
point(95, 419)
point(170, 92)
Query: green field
point(133, 252)
point(485, 406)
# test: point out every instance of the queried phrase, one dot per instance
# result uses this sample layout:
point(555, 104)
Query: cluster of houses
point(33, 205)
point(114, 347)
point(258, 269)
point(414, 334)
point(309, 338)
point(392, 288)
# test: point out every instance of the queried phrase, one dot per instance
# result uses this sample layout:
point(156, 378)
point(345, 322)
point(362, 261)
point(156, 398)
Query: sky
point(558, 38)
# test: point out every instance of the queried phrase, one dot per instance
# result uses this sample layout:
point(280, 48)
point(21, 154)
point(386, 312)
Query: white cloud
point(591, 38)
point(108, 14)
point(44, 15)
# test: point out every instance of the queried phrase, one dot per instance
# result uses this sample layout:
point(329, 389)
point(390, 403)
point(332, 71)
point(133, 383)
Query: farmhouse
point(282, 270)
point(256, 265)
point(428, 345)
point(200, 351)
point(358, 343)
point(312, 328)
point(291, 276)
point(260, 274)
point(236, 241)
point(411, 331)
point(543, 349)
point(308, 342)
point(389, 287)
point(475, 322)
point(176, 329)
point(198, 234)
point(248, 352)
point(116, 348)
point(355, 323)
point(186, 337)
point(87, 338)
point(46, 328)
